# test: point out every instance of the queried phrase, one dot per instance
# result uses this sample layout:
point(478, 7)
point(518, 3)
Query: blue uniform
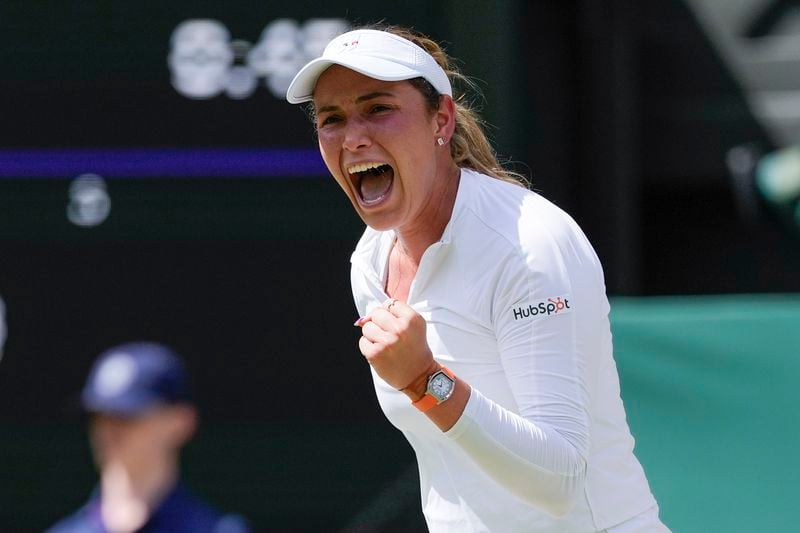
point(179, 512)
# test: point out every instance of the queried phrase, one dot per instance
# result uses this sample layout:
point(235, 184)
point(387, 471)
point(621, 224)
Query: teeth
point(361, 167)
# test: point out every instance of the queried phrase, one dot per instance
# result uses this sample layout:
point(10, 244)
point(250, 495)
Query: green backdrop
point(711, 390)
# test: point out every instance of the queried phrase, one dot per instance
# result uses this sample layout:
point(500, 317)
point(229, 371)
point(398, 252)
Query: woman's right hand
point(395, 344)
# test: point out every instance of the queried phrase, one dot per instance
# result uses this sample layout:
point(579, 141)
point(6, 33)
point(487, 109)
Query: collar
point(372, 252)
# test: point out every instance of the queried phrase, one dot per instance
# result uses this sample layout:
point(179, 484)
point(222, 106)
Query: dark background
point(618, 111)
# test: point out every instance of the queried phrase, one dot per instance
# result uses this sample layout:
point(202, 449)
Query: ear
point(185, 421)
point(444, 119)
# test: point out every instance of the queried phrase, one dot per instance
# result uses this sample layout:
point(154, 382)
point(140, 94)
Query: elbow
point(558, 495)
point(571, 489)
point(563, 501)
point(560, 506)
point(568, 484)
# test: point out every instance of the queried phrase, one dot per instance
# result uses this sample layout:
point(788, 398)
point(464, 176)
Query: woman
point(485, 319)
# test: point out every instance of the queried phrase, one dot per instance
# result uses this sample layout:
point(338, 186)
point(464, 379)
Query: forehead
point(144, 419)
point(339, 85)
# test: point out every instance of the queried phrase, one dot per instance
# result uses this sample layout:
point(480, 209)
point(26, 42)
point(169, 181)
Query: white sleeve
point(540, 453)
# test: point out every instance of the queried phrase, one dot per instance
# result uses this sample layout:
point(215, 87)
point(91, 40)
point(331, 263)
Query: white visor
point(377, 54)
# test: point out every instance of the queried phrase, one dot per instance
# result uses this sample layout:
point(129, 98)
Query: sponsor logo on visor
point(350, 45)
point(550, 306)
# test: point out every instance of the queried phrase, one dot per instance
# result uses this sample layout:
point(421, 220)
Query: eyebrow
point(359, 100)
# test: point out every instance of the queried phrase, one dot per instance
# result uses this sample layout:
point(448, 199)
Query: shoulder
point(202, 517)
point(533, 247)
point(530, 224)
point(231, 523)
point(78, 522)
point(184, 512)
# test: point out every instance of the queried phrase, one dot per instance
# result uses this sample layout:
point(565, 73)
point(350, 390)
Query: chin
point(378, 222)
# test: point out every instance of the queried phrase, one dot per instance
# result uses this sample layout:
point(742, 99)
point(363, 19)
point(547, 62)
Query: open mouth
point(372, 180)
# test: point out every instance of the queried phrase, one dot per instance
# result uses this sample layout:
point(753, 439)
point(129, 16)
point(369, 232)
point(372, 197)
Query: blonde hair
point(469, 145)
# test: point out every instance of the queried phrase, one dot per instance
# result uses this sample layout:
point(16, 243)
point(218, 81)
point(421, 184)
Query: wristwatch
point(441, 385)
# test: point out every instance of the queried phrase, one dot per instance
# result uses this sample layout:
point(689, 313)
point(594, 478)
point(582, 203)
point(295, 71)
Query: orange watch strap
point(425, 403)
point(428, 400)
point(448, 372)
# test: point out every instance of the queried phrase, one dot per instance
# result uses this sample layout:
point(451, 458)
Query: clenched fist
point(393, 341)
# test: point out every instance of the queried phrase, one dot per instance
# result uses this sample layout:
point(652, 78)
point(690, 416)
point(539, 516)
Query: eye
point(328, 120)
point(379, 108)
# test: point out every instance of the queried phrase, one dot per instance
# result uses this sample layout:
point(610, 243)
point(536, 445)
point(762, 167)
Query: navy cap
point(131, 378)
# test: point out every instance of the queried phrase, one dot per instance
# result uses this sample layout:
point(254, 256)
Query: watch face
point(441, 386)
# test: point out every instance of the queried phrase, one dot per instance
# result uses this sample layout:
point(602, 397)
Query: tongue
point(375, 186)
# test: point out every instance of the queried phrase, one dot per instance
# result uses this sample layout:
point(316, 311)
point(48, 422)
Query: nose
point(356, 135)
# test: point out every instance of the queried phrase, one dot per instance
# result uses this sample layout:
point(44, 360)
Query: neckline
point(389, 238)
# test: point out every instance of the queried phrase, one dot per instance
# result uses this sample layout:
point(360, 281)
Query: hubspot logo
point(547, 307)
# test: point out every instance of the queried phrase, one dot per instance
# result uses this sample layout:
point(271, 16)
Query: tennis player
point(141, 416)
point(485, 318)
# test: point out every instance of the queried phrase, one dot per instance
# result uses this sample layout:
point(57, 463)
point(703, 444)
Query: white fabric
point(543, 444)
point(646, 522)
point(378, 54)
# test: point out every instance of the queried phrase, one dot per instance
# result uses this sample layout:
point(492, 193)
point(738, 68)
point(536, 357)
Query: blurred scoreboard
point(94, 93)
point(155, 184)
point(110, 106)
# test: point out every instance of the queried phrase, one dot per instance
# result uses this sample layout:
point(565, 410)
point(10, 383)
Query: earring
point(440, 140)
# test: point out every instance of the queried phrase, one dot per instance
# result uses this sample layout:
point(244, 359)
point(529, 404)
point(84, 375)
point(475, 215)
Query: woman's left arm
point(539, 454)
point(546, 312)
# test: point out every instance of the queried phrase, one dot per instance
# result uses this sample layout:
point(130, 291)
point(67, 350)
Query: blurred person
point(483, 305)
point(142, 414)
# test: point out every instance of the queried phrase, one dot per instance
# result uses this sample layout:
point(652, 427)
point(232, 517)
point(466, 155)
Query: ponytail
point(469, 145)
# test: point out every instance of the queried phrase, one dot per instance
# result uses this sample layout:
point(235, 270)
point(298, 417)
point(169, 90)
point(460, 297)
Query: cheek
point(414, 145)
point(161, 433)
point(328, 148)
point(415, 157)
point(100, 439)
point(330, 155)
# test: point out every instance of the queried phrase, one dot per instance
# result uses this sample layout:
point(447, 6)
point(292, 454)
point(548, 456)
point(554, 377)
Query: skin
point(137, 458)
point(361, 119)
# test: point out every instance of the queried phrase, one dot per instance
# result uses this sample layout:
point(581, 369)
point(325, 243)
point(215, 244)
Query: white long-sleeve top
point(514, 299)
